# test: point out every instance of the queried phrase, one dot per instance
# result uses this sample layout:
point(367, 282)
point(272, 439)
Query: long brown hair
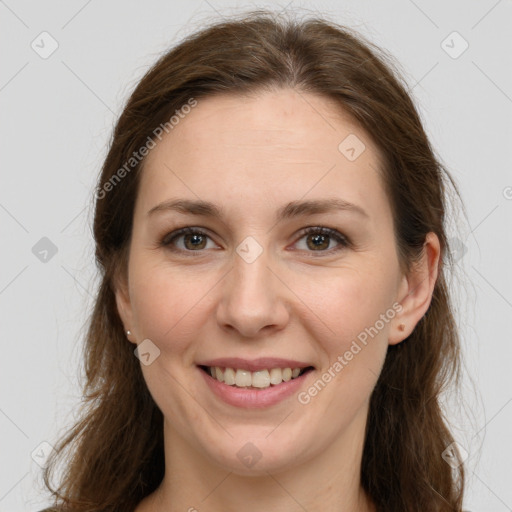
point(114, 455)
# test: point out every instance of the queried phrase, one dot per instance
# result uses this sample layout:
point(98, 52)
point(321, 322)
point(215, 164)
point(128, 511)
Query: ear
point(124, 307)
point(416, 289)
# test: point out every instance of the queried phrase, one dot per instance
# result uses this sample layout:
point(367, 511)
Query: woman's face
point(247, 282)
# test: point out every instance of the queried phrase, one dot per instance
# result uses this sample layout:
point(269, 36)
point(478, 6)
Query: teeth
point(229, 376)
point(242, 378)
point(259, 379)
point(276, 376)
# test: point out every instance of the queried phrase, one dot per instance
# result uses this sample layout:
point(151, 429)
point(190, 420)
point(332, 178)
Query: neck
point(328, 482)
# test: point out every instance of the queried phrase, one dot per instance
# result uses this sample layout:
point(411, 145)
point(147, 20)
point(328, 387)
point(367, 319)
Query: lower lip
point(254, 398)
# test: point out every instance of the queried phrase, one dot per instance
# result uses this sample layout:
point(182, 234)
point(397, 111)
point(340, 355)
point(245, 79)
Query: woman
point(273, 327)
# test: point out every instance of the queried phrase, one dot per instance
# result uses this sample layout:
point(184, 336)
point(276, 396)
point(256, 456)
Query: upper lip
point(254, 365)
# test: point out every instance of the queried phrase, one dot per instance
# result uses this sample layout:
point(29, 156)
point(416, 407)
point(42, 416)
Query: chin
point(253, 455)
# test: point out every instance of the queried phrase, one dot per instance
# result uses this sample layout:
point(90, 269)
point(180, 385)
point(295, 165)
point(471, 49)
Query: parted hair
point(113, 455)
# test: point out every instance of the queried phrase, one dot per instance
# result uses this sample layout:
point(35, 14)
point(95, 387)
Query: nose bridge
point(252, 297)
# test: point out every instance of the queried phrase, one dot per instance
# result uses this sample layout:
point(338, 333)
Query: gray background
point(57, 117)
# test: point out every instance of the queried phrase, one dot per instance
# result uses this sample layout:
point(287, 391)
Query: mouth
point(255, 380)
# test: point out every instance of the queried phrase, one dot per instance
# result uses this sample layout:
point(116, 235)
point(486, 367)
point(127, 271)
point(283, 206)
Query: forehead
point(278, 146)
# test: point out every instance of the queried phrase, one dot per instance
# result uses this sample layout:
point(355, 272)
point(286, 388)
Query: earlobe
point(124, 309)
point(416, 290)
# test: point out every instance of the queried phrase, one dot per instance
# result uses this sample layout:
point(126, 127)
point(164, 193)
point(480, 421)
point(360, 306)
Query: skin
point(251, 155)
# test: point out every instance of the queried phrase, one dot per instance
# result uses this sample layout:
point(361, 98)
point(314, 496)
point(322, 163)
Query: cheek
point(167, 302)
point(351, 301)
point(354, 311)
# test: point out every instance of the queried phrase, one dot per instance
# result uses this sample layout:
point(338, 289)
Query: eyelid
point(167, 240)
point(168, 237)
point(343, 241)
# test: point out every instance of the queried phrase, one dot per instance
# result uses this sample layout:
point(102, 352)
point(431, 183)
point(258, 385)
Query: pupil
point(320, 241)
point(196, 240)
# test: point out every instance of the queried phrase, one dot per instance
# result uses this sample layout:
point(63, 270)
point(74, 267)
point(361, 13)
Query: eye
point(321, 239)
point(314, 239)
point(187, 239)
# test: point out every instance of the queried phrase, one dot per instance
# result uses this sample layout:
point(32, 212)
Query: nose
point(254, 300)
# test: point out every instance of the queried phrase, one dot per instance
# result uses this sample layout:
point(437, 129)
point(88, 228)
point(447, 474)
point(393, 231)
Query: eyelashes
point(194, 234)
point(319, 235)
point(194, 241)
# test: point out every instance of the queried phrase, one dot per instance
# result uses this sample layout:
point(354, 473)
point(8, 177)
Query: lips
point(253, 397)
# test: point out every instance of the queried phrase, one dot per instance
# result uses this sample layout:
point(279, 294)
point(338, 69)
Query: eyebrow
point(290, 210)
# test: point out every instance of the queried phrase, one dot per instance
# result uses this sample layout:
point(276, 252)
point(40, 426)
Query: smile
point(256, 389)
point(259, 379)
